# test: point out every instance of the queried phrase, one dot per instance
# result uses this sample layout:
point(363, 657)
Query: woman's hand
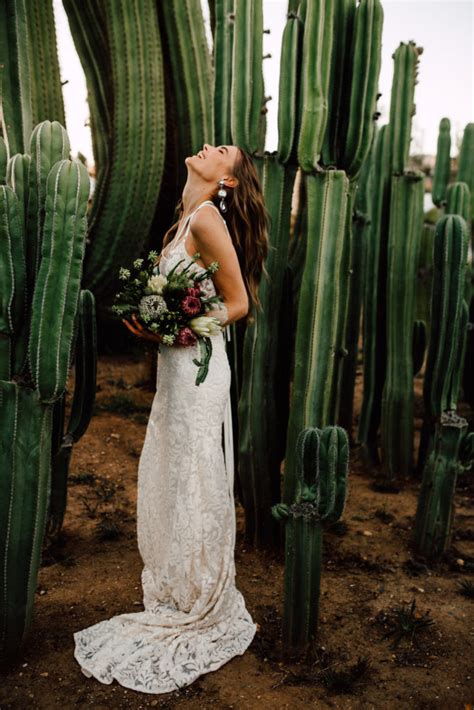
point(140, 331)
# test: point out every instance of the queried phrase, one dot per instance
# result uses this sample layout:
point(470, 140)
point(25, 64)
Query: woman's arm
point(209, 236)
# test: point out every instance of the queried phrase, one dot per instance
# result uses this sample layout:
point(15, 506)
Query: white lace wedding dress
point(194, 617)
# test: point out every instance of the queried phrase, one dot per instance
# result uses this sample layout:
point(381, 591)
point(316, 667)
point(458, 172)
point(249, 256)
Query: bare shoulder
point(208, 227)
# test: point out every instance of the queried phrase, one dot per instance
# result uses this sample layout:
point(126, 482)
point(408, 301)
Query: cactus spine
point(322, 457)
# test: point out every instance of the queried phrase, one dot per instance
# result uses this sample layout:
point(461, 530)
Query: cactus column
point(406, 222)
point(453, 451)
point(319, 307)
point(322, 458)
point(34, 378)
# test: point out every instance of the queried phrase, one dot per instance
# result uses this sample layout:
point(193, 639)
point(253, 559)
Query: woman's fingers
point(138, 325)
point(131, 328)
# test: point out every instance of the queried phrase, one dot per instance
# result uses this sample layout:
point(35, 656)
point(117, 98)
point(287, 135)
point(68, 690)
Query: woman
point(195, 618)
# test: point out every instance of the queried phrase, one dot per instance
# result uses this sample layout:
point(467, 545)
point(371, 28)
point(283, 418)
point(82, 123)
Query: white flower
point(205, 326)
point(152, 306)
point(124, 274)
point(138, 263)
point(168, 339)
point(156, 283)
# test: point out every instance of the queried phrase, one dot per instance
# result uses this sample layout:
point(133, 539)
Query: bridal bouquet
point(172, 307)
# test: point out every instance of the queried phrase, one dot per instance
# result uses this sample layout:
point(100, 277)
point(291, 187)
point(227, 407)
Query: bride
point(194, 617)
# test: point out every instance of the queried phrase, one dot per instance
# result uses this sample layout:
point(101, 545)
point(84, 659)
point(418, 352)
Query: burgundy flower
point(191, 305)
point(193, 291)
point(186, 337)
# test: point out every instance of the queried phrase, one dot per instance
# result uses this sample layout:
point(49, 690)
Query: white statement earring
point(222, 194)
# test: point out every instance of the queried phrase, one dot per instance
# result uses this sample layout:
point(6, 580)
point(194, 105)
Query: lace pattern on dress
point(194, 617)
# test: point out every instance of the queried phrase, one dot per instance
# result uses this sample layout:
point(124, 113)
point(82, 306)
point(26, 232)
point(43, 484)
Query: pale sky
point(444, 28)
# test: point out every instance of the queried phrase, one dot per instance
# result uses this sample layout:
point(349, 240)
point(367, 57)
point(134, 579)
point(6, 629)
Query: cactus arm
point(442, 164)
point(366, 62)
point(317, 49)
point(57, 286)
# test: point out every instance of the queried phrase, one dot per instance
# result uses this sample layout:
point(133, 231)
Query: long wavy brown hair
point(248, 221)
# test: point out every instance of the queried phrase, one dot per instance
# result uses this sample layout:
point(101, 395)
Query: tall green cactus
point(30, 80)
point(360, 226)
point(319, 308)
point(317, 47)
point(466, 164)
point(260, 454)
point(406, 223)
point(449, 317)
point(121, 53)
point(392, 152)
point(290, 93)
point(55, 300)
point(49, 143)
point(25, 455)
point(366, 62)
point(443, 164)
point(64, 437)
point(346, 296)
point(458, 200)
point(223, 47)
point(247, 99)
point(466, 174)
point(322, 459)
point(45, 79)
point(424, 280)
point(12, 282)
point(374, 345)
point(452, 452)
point(45, 320)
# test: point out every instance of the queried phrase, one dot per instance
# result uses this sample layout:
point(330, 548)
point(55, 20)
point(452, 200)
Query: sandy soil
point(93, 572)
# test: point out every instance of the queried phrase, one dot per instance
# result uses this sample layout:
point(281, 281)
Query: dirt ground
point(93, 573)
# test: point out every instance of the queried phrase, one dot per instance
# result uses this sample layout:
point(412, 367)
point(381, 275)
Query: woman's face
point(214, 163)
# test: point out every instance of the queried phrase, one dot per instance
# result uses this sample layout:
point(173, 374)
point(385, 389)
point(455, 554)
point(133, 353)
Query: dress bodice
point(177, 251)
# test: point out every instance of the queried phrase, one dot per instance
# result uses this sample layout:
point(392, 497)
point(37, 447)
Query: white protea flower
point(205, 326)
point(152, 306)
point(156, 283)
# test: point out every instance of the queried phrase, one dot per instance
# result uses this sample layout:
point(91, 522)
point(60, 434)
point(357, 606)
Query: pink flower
point(186, 337)
point(191, 305)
